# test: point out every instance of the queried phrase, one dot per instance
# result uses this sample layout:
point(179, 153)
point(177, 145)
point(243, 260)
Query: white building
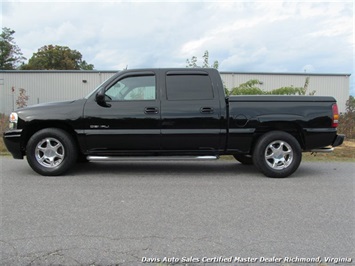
point(49, 86)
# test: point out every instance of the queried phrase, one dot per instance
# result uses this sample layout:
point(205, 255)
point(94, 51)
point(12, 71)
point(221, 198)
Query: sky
point(244, 36)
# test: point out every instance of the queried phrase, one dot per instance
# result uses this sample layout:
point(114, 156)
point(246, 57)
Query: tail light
point(335, 120)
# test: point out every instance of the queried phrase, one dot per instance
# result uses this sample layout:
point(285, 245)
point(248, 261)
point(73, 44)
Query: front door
point(131, 120)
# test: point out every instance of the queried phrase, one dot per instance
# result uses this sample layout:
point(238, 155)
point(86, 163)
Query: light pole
point(13, 98)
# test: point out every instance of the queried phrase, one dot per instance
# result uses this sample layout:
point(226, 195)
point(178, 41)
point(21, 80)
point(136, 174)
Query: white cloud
point(248, 36)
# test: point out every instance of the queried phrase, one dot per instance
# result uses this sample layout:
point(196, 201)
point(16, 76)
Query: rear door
point(190, 112)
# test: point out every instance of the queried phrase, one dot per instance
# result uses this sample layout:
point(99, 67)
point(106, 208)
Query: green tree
point(293, 90)
point(286, 91)
point(347, 120)
point(350, 105)
point(22, 98)
point(10, 54)
point(192, 63)
point(85, 66)
point(57, 57)
point(248, 88)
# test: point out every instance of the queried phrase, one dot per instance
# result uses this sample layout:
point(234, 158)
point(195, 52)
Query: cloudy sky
point(250, 36)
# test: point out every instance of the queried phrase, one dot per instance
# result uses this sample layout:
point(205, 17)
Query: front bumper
point(12, 140)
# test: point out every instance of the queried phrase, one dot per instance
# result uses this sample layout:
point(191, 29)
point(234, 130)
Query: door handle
point(206, 110)
point(151, 110)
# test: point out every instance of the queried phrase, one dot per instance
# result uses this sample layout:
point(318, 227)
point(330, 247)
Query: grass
point(345, 153)
point(4, 122)
point(3, 150)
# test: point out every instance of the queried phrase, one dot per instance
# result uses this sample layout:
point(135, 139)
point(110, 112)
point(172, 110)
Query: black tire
point(277, 154)
point(244, 159)
point(51, 152)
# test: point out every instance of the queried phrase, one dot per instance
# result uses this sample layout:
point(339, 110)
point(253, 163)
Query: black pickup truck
point(173, 113)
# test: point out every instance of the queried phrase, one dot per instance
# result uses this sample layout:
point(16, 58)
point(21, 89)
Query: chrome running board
point(323, 150)
point(151, 158)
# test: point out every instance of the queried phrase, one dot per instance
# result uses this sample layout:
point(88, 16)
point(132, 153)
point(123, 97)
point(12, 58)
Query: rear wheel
point(51, 152)
point(277, 154)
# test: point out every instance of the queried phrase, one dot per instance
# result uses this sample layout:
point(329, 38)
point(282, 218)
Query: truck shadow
point(217, 169)
point(169, 168)
point(213, 169)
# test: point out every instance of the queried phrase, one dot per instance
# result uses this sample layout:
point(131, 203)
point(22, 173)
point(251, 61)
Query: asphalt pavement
point(187, 213)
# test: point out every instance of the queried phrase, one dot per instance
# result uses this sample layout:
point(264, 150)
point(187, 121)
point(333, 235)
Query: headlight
point(13, 120)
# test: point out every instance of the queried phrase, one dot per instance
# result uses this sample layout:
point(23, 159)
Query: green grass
point(344, 153)
point(3, 150)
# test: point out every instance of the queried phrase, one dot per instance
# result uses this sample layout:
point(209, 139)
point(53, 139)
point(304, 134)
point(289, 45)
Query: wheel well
point(34, 127)
point(288, 127)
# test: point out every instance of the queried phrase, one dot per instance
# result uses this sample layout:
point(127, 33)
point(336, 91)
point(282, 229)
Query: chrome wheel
point(49, 152)
point(278, 155)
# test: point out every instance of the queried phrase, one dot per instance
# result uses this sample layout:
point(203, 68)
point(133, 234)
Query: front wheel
point(51, 152)
point(277, 154)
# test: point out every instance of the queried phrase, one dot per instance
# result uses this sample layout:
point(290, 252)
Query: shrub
point(4, 123)
point(347, 120)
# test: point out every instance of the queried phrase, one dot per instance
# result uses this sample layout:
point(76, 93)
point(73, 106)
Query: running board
point(150, 158)
point(323, 150)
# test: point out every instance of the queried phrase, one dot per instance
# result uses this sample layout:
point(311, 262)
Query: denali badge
point(99, 126)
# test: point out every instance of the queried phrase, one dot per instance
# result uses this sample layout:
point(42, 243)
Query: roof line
point(222, 72)
point(58, 71)
point(286, 73)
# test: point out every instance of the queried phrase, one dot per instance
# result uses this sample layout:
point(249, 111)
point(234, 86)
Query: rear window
point(189, 87)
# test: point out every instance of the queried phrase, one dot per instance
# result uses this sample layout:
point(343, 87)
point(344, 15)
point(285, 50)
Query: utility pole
point(13, 98)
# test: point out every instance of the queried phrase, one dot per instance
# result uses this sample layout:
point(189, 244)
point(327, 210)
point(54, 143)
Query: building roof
point(222, 72)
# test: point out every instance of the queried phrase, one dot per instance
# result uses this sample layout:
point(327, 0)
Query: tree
point(347, 120)
point(206, 63)
point(57, 57)
point(350, 105)
point(193, 62)
point(250, 88)
point(10, 54)
point(293, 90)
point(85, 66)
point(22, 99)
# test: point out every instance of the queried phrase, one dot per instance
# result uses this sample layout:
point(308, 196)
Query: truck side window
point(189, 87)
point(137, 88)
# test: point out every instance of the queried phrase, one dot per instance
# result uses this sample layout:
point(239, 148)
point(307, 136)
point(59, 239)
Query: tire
point(51, 152)
point(277, 154)
point(244, 159)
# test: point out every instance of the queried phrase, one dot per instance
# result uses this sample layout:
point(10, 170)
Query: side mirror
point(100, 98)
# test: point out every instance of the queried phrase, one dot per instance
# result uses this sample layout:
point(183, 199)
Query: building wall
point(49, 86)
point(335, 85)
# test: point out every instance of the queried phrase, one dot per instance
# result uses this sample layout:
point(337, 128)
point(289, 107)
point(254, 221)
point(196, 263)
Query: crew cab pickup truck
point(173, 113)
